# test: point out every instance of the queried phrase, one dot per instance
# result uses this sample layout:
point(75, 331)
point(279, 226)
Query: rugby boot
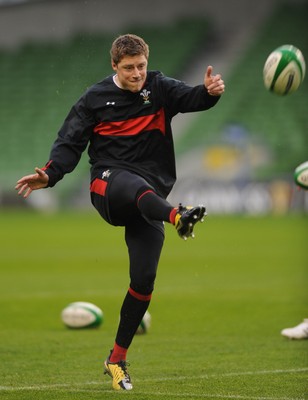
point(297, 332)
point(186, 218)
point(119, 374)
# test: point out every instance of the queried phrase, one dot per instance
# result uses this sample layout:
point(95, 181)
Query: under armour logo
point(106, 174)
point(110, 103)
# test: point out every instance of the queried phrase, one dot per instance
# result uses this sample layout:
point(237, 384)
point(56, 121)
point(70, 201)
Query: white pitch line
point(74, 387)
point(170, 395)
point(188, 395)
point(220, 396)
point(228, 374)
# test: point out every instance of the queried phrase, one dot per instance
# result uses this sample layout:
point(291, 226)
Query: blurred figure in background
point(297, 332)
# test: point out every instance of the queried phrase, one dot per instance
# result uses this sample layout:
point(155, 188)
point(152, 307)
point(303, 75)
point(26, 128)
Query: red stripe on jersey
point(133, 126)
point(138, 296)
point(46, 166)
point(98, 186)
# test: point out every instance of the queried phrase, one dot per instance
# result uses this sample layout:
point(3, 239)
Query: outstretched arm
point(214, 83)
point(32, 182)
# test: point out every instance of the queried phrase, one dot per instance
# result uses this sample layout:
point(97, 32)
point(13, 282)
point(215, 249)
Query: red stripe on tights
point(138, 296)
point(147, 191)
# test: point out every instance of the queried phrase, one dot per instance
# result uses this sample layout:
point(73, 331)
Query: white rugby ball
point(284, 70)
point(145, 324)
point(301, 175)
point(81, 314)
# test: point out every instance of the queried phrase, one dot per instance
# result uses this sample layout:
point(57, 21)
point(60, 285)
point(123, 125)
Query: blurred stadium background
point(237, 158)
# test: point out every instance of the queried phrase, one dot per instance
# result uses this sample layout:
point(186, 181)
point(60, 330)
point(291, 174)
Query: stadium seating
point(280, 123)
point(39, 83)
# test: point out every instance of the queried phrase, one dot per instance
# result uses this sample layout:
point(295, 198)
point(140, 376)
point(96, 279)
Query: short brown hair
point(128, 45)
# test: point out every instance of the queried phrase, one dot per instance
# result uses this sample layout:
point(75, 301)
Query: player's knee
point(145, 284)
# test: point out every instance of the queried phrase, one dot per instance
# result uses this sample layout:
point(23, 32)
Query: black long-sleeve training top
point(126, 130)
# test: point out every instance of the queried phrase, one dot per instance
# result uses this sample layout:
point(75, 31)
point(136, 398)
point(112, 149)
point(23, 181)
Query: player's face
point(131, 72)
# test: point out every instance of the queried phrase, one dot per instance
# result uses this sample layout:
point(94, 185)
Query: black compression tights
point(144, 243)
point(153, 206)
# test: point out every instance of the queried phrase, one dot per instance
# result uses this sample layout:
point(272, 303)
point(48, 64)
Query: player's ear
point(114, 65)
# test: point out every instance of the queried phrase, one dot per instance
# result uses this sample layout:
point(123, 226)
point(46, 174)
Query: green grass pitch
point(219, 304)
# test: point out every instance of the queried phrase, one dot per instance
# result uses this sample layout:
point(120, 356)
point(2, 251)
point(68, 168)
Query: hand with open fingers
point(28, 183)
point(213, 83)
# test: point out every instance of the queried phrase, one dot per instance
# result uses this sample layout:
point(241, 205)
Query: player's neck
point(116, 81)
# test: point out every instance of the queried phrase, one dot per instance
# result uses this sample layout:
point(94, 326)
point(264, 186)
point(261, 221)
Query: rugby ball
point(145, 324)
point(284, 70)
point(81, 314)
point(301, 175)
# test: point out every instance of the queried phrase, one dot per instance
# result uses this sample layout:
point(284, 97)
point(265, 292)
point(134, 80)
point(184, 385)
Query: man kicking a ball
point(125, 121)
